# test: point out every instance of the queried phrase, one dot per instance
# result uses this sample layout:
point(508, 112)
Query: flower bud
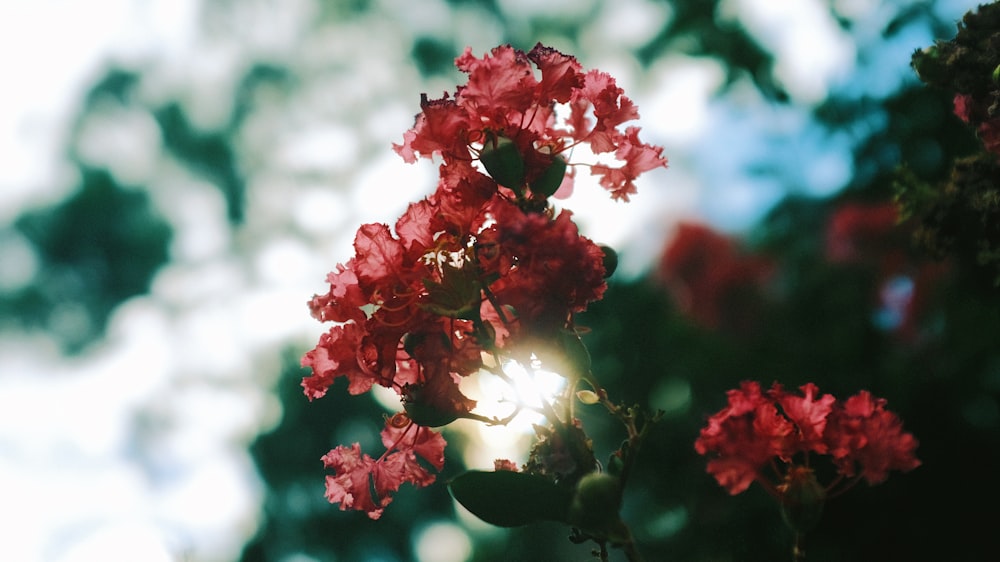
point(504, 162)
point(421, 412)
point(610, 260)
point(549, 181)
point(802, 499)
point(595, 504)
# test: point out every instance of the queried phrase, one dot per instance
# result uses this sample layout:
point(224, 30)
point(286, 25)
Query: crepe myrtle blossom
point(482, 267)
point(358, 475)
point(506, 110)
point(713, 281)
point(773, 437)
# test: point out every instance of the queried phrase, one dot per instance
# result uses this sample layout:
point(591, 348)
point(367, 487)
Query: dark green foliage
point(816, 324)
point(118, 84)
point(96, 249)
point(695, 29)
point(434, 56)
point(297, 517)
point(104, 243)
point(511, 499)
point(208, 153)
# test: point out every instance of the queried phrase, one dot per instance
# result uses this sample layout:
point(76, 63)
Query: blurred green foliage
point(103, 244)
point(298, 519)
point(818, 324)
point(97, 248)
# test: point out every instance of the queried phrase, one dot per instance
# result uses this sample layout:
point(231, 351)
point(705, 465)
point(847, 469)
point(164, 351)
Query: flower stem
point(798, 549)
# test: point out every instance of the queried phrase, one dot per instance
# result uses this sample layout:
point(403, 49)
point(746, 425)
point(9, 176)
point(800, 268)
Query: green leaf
point(510, 499)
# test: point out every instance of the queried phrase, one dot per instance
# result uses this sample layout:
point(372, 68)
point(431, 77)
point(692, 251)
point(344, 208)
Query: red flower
point(977, 114)
point(505, 464)
point(351, 485)
point(480, 266)
point(989, 135)
point(638, 158)
point(776, 429)
point(334, 356)
point(963, 106)
point(364, 484)
point(545, 270)
point(504, 98)
point(863, 435)
point(711, 280)
point(744, 437)
point(808, 413)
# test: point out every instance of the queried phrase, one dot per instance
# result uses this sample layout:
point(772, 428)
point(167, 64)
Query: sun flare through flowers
point(483, 267)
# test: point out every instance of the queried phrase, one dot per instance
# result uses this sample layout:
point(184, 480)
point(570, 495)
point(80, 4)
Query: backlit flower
point(365, 484)
point(481, 267)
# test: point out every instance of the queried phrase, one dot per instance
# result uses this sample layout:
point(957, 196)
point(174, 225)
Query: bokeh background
point(177, 177)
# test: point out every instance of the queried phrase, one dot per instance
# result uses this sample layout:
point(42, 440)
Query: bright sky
point(136, 449)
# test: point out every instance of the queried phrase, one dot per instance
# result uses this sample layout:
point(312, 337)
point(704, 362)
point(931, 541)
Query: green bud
point(595, 505)
point(422, 413)
point(504, 162)
point(428, 416)
point(610, 260)
point(549, 181)
point(411, 342)
point(802, 499)
point(615, 462)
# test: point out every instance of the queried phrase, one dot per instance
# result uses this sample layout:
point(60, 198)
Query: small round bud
point(610, 260)
point(421, 412)
point(596, 503)
point(549, 181)
point(504, 162)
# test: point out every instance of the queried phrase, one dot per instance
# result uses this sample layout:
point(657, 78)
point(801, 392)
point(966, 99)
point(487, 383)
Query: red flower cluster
point(711, 280)
point(504, 101)
point(758, 430)
point(478, 267)
point(357, 473)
